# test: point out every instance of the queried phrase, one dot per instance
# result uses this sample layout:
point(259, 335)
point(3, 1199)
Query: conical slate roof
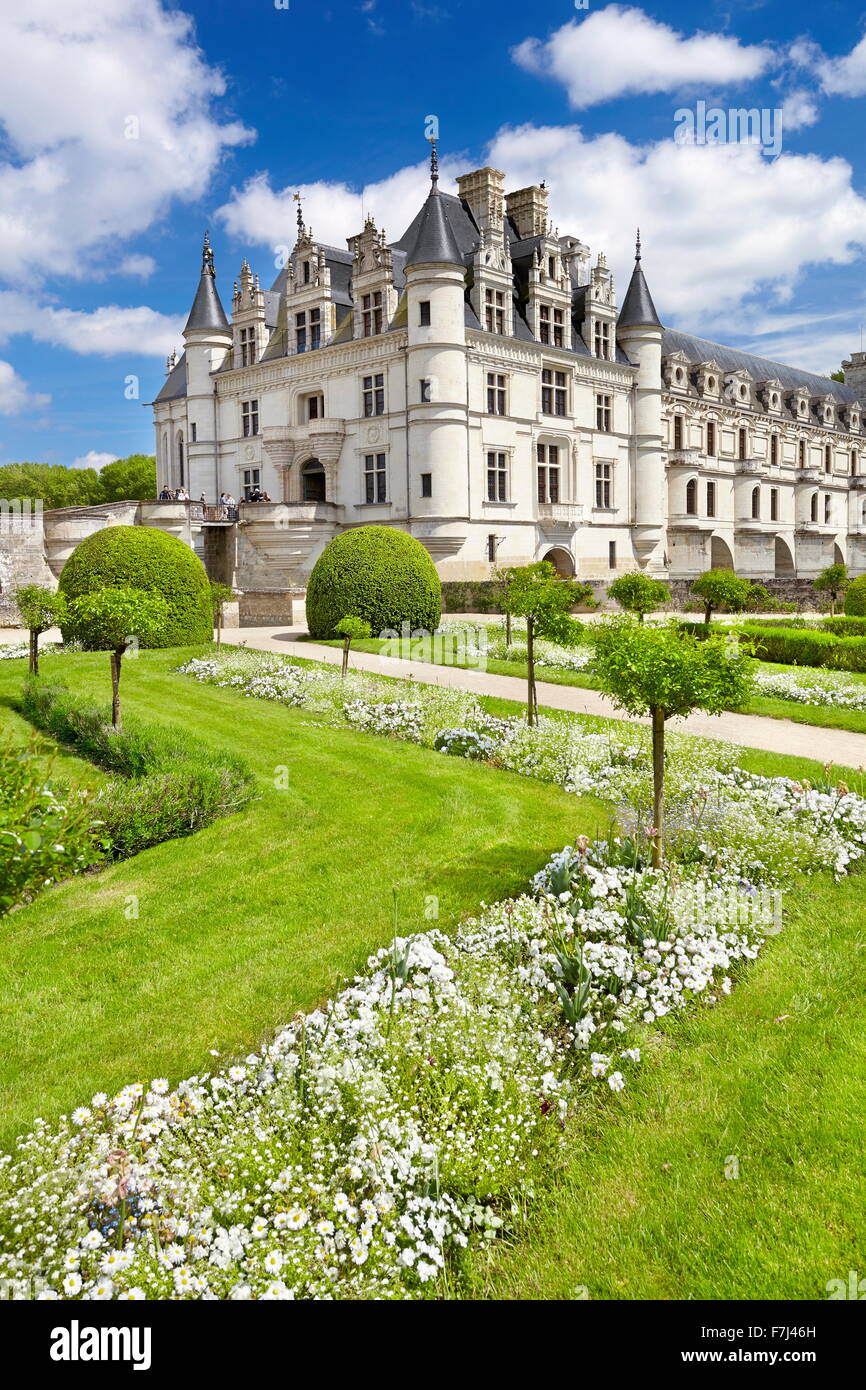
point(207, 312)
point(434, 242)
point(638, 310)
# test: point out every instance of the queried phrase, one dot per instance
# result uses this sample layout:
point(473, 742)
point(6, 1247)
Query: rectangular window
point(774, 504)
point(193, 433)
point(551, 325)
point(424, 313)
point(548, 472)
point(611, 555)
point(678, 431)
point(601, 336)
point(603, 413)
point(374, 478)
point(306, 272)
point(426, 484)
point(497, 477)
point(425, 385)
point(551, 267)
point(251, 478)
point(491, 548)
point(774, 449)
point(711, 499)
point(247, 346)
point(742, 444)
point(249, 418)
point(315, 329)
point(603, 485)
point(371, 314)
point(374, 394)
point(494, 311)
point(554, 392)
point(301, 332)
point(827, 508)
point(711, 438)
point(495, 394)
point(315, 407)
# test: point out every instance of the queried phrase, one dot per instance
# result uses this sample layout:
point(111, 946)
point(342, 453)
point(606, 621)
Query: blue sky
point(163, 121)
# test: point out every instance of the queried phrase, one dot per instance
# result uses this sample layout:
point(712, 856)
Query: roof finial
point(297, 198)
point(207, 256)
point(637, 246)
point(434, 162)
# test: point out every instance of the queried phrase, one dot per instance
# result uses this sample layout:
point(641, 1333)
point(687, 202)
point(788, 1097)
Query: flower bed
point(362, 1151)
point(811, 689)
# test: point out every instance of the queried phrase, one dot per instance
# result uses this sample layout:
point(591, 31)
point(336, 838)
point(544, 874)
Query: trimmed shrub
point(169, 784)
point(140, 557)
point(855, 598)
point(794, 647)
point(376, 573)
point(845, 627)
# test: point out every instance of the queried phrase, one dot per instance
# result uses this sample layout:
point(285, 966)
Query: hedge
point(794, 647)
point(855, 598)
point(140, 557)
point(845, 627)
point(377, 573)
point(168, 784)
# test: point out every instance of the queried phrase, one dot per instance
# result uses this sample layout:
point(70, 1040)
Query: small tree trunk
point(507, 630)
point(658, 719)
point(708, 613)
point(531, 705)
point(34, 652)
point(347, 641)
point(219, 625)
point(640, 616)
point(116, 658)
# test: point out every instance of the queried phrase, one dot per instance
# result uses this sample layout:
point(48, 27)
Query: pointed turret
point(638, 310)
point(207, 312)
point(434, 242)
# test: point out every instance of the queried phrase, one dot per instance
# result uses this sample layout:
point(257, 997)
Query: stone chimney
point(482, 191)
point(855, 375)
point(527, 210)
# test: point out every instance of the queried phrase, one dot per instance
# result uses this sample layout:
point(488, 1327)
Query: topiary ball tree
point(378, 574)
point(140, 557)
point(855, 598)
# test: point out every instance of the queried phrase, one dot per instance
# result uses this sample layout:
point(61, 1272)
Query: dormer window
point(494, 311)
point(602, 339)
point(711, 383)
point(551, 267)
point(371, 314)
point(247, 343)
point(551, 325)
point(306, 273)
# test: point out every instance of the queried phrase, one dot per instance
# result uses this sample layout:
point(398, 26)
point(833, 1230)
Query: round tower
point(639, 332)
point(436, 361)
point(208, 339)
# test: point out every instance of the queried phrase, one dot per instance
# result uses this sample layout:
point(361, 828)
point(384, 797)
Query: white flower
point(71, 1284)
point(101, 1291)
point(616, 1081)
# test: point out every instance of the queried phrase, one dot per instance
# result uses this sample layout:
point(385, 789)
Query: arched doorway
point(720, 554)
point(784, 562)
point(838, 557)
point(313, 487)
point(562, 561)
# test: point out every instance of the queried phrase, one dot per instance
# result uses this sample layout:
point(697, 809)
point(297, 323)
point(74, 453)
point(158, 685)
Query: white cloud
point(105, 332)
point(141, 266)
point(620, 51)
point(798, 110)
point(840, 76)
point(15, 394)
point(92, 459)
point(107, 114)
point(719, 222)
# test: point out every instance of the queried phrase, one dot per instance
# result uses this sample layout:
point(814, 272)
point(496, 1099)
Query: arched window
point(756, 503)
point(692, 497)
point(813, 507)
point(313, 482)
point(180, 473)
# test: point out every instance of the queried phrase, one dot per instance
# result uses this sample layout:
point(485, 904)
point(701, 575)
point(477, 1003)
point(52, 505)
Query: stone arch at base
point(720, 554)
point(784, 560)
point(562, 561)
point(838, 556)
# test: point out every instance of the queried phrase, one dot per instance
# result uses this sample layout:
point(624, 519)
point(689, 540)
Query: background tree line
point(129, 479)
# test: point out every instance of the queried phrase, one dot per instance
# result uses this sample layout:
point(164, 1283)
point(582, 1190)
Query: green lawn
point(262, 914)
point(822, 716)
point(774, 1078)
point(258, 915)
